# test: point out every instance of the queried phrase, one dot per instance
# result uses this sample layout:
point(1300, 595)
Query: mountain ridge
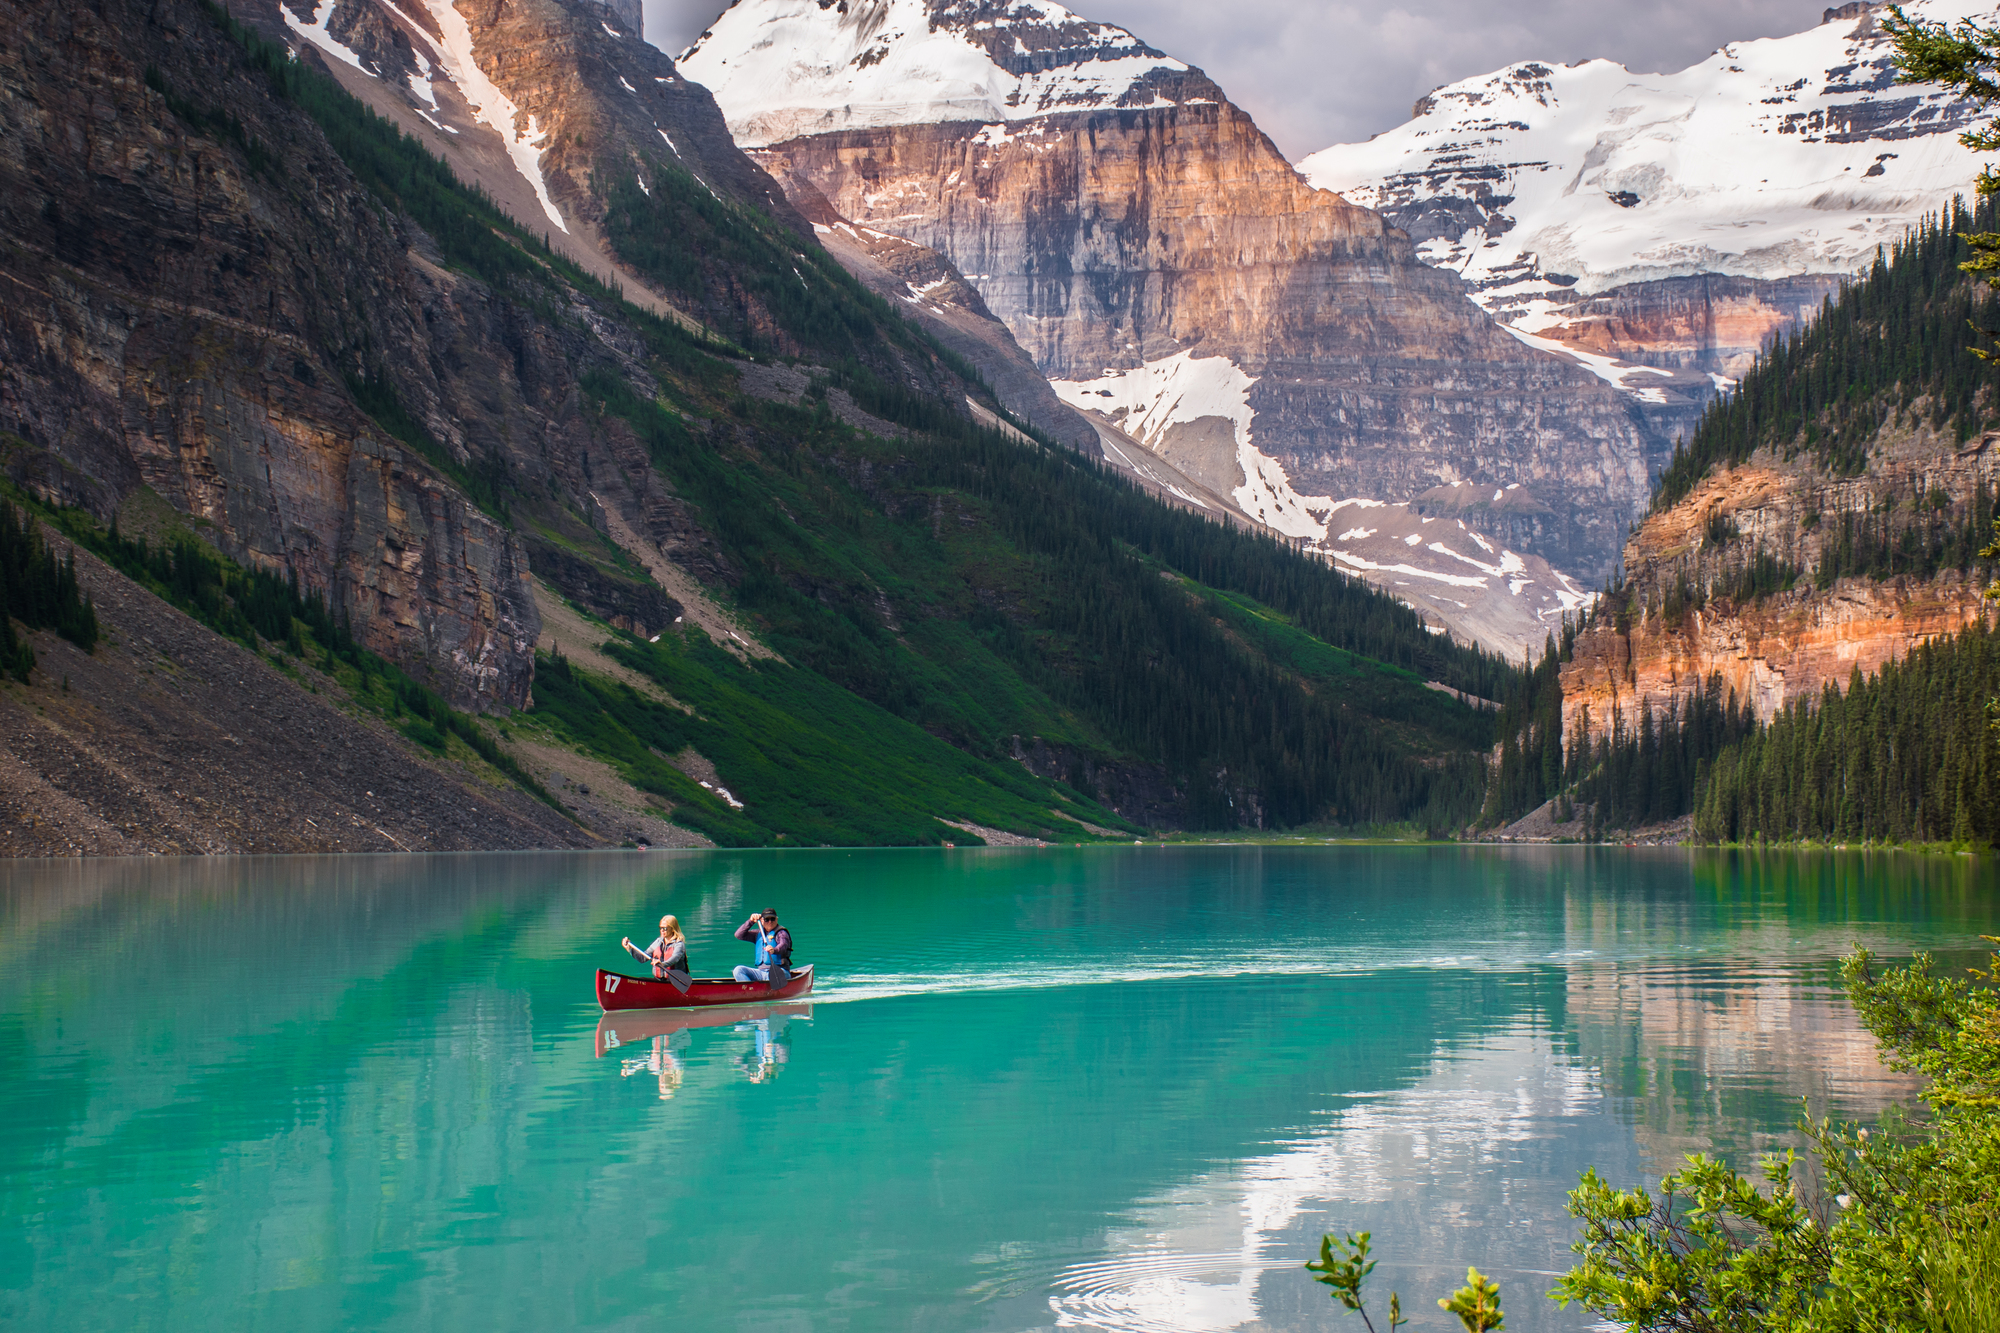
point(1661, 228)
point(1150, 231)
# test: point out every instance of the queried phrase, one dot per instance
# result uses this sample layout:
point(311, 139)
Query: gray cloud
point(1321, 73)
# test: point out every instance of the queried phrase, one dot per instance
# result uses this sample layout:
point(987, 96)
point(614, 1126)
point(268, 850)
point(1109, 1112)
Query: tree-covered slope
point(1905, 755)
point(1826, 510)
point(1899, 338)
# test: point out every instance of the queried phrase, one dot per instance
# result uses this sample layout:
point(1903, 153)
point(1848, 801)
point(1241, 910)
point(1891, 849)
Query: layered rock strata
point(200, 298)
point(1156, 256)
point(927, 287)
point(1675, 626)
point(176, 319)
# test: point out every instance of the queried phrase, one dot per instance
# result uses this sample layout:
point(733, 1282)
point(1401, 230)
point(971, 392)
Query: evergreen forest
point(1895, 340)
point(40, 591)
point(1905, 755)
point(1901, 756)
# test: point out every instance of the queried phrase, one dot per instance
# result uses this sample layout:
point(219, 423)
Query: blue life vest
point(764, 953)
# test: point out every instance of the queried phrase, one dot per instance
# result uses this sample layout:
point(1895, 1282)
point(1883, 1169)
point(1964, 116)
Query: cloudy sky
point(1317, 72)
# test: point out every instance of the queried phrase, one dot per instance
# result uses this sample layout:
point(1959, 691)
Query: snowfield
point(784, 68)
point(1183, 389)
point(1773, 158)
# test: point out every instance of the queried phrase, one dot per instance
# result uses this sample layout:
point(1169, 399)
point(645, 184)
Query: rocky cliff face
point(1662, 227)
point(177, 318)
point(202, 297)
point(925, 286)
point(1677, 622)
point(1155, 255)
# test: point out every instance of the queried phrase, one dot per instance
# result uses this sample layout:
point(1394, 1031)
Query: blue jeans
point(773, 974)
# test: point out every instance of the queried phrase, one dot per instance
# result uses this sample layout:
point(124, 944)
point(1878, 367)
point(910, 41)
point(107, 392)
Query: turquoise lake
point(1067, 1088)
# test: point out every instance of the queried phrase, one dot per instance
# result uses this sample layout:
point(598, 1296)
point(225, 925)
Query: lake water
point(1087, 1088)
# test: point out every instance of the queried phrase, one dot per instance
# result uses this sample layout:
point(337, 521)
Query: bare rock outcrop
point(1688, 614)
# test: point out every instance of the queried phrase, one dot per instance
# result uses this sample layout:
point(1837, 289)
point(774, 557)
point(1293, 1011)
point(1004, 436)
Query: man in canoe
point(774, 949)
point(668, 954)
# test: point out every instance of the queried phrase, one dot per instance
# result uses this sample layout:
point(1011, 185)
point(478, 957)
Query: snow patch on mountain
point(1184, 390)
point(316, 33)
point(1609, 369)
point(1455, 577)
point(493, 107)
point(784, 68)
point(1451, 574)
point(420, 82)
point(1770, 159)
point(1180, 389)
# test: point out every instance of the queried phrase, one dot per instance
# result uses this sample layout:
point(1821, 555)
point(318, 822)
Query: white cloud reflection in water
point(1194, 1260)
point(1652, 1058)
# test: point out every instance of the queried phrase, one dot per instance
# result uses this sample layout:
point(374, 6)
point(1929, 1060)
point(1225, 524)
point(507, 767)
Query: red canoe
point(617, 991)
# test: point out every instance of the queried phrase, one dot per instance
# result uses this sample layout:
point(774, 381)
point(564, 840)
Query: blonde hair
point(670, 928)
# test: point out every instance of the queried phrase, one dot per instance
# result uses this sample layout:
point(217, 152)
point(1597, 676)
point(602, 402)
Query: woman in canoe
point(668, 954)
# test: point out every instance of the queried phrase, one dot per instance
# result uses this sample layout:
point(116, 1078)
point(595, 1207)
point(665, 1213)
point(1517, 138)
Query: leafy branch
point(1477, 1303)
point(1344, 1265)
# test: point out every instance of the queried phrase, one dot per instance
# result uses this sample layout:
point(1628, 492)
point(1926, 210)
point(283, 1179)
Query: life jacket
point(665, 947)
point(764, 951)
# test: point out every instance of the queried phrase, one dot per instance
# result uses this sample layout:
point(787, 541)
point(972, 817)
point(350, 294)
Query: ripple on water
point(1161, 1292)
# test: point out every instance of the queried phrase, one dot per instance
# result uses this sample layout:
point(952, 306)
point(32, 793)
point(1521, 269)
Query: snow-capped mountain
point(1174, 276)
point(799, 67)
point(1671, 221)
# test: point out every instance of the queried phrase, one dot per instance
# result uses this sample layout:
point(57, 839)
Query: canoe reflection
point(668, 1029)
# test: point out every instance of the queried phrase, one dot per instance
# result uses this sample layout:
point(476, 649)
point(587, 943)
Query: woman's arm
point(643, 955)
point(675, 956)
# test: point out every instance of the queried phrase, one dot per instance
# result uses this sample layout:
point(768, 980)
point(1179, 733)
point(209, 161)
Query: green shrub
point(1899, 1236)
point(424, 734)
